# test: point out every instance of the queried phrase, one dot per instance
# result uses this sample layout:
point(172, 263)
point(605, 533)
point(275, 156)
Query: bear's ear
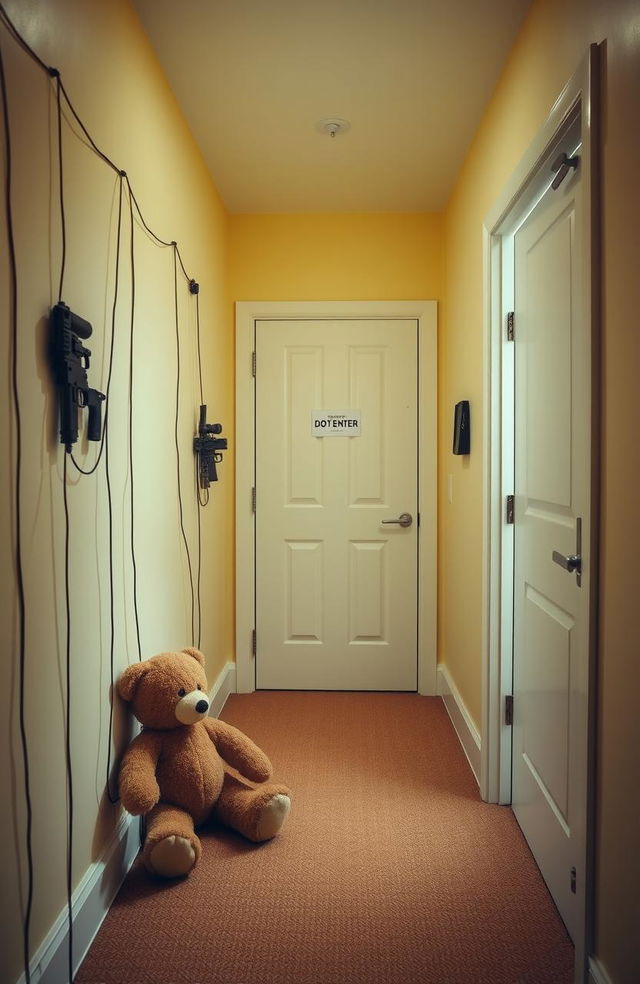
point(130, 679)
point(192, 651)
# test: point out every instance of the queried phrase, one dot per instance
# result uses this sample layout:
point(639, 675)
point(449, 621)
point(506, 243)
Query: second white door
point(552, 536)
point(336, 577)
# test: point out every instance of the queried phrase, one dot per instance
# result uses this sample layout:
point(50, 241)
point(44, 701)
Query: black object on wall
point(70, 361)
point(462, 428)
point(208, 449)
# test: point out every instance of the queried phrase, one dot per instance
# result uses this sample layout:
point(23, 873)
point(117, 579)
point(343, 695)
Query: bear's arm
point(139, 790)
point(238, 750)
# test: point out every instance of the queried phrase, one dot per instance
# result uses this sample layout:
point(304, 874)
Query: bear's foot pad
point(273, 816)
point(172, 857)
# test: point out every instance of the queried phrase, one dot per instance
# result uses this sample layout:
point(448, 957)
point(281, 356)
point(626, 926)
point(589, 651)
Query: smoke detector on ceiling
point(333, 125)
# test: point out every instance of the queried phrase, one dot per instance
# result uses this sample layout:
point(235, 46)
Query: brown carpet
point(390, 868)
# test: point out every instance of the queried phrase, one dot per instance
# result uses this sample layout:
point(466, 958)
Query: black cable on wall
point(13, 314)
point(60, 96)
point(177, 440)
point(68, 761)
point(132, 267)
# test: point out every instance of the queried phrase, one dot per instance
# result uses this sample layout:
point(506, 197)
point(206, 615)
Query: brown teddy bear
point(176, 771)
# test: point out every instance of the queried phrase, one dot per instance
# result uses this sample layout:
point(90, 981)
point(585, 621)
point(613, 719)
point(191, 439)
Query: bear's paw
point(172, 857)
point(273, 815)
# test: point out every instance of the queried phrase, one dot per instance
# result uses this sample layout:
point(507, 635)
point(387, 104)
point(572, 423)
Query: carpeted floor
point(390, 870)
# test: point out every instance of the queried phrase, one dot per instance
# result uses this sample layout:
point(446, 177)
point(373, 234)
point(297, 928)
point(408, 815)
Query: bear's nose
point(202, 706)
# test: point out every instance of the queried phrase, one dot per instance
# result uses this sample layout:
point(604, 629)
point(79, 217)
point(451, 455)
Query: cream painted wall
point(119, 91)
point(384, 256)
point(553, 41)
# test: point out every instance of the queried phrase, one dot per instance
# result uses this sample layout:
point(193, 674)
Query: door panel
point(303, 590)
point(552, 490)
point(303, 459)
point(336, 590)
point(545, 264)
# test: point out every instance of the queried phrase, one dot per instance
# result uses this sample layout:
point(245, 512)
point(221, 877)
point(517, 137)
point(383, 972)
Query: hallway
point(112, 551)
point(390, 868)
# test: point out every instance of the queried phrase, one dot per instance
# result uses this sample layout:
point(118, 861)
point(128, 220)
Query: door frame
point(425, 314)
point(579, 102)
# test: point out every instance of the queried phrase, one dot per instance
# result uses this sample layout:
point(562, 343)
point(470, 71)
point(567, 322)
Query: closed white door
point(552, 527)
point(336, 578)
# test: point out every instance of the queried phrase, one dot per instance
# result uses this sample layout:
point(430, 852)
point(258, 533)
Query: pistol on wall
point(208, 448)
point(70, 362)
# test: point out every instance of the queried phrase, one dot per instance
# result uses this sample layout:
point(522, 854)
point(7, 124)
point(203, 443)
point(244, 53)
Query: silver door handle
point(572, 563)
point(404, 519)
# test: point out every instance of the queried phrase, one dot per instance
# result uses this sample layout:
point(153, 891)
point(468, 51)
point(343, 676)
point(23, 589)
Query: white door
point(336, 582)
point(552, 514)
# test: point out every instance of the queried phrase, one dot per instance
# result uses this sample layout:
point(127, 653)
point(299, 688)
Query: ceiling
point(254, 77)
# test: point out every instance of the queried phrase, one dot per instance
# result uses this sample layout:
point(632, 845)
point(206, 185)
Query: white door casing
point(247, 314)
point(336, 580)
point(549, 607)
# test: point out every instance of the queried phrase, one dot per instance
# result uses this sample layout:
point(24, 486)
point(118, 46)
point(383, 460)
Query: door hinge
point(253, 499)
point(253, 642)
point(510, 515)
point(510, 325)
point(573, 877)
point(253, 364)
point(508, 709)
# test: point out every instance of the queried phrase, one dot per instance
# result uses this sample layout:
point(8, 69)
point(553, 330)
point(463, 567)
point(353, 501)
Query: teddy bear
point(185, 768)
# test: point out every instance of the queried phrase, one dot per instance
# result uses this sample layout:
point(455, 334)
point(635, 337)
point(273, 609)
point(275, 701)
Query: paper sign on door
point(335, 423)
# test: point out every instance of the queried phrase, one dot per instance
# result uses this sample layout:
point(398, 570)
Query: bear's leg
point(256, 812)
point(171, 847)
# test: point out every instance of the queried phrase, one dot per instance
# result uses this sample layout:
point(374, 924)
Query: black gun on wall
point(70, 361)
point(208, 449)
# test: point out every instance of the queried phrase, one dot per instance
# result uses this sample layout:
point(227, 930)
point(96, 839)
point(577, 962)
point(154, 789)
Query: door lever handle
point(404, 519)
point(572, 563)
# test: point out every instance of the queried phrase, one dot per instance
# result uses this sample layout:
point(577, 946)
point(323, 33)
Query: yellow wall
point(553, 41)
point(386, 256)
point(119, 91)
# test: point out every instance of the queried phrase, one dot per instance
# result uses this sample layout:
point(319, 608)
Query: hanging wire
point(94, 146)
point(199, 596)
point(132, 262)
point(105, 438)
point(198, 339)
point(4, 17)
point(61, 94)
point(63, 222)
point(13, 301)
point(177, 441)
point(68, 762)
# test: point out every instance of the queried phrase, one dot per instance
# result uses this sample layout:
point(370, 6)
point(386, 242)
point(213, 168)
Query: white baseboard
point(90, 904)
point(224, 686)
point(461, 719)
point(597, 973)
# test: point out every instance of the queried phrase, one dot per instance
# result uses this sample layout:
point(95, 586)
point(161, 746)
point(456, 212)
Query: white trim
point(597, 973)
point(90, 903)
point(461, 719)
point(427, 501)
point(224, 686)
point(247, 313)
point(578, 100)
